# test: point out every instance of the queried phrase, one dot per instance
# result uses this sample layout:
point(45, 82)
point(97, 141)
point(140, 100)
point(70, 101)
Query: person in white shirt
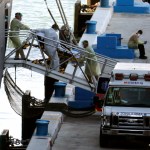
point(50, 44)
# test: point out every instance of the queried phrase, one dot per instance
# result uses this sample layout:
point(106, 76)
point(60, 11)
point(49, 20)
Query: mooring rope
point(50, 12)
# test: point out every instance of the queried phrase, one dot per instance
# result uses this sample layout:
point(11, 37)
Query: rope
point(62, 13)
point(50, 12)
point(52, 16)
point(59, 5)
point(75, 113)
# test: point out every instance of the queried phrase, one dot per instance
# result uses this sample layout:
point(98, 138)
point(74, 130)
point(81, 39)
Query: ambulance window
point(109, 97)
point(117, 97)
point(143, 96)
point(123, 96)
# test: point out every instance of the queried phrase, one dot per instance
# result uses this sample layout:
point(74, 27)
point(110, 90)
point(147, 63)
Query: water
point(35, 15)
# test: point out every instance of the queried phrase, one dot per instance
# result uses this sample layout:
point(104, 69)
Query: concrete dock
point(127, 24)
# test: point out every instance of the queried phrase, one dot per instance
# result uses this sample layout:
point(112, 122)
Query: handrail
point(32, 38)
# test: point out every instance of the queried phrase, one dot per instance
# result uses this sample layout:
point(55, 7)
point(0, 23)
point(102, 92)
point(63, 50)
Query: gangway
point(74, 76)
point(66, 77)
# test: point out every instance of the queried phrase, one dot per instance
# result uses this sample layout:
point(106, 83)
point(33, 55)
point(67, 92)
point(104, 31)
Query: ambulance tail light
point(147, 77)
point(133, 77)
point(119, 76)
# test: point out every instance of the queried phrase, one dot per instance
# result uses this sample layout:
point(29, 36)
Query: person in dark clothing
point(66, 36)
point(135, 43)
point(148, 1)
point(49, 87)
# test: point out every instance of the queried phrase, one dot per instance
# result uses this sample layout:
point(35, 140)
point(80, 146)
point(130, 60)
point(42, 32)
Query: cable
point(50, 12)
point(75, 115)
point(91, 111)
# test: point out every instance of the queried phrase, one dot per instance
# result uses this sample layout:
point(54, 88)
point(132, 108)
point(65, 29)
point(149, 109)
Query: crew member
point(51, 44)
point(65, 35)
point(15, 27)
point(92, 67)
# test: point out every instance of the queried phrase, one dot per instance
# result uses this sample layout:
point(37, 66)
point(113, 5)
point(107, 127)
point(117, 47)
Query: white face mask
point(138, 35)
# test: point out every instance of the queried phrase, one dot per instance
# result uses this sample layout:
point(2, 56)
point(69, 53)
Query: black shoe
point(143, 57)
point(25, 59)
point(16, 58)
point(21, 59)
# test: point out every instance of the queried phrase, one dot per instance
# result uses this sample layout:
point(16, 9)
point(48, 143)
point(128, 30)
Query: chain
point(14, 141)
point(36, 102)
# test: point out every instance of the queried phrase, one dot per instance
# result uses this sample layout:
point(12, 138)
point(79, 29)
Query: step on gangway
point(75, 55)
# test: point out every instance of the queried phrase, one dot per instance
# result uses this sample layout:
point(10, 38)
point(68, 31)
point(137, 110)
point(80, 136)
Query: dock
point(83, 133)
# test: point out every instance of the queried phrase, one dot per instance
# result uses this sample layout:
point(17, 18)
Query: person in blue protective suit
point(50, 44)
point(15, 27)
point(92, 67)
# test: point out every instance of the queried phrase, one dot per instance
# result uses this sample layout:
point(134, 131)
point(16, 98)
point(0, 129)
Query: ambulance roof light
point(133, 76)
point(147, 77)
point(119, 76)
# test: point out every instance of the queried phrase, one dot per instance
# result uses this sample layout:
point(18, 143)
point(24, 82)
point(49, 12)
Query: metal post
point(4, 140)
point(29, 115)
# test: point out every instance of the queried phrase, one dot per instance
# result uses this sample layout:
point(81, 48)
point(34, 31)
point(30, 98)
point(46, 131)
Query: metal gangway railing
point(75, 75)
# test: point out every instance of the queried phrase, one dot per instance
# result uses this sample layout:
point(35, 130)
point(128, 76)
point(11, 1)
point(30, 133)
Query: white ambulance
point(126, 105)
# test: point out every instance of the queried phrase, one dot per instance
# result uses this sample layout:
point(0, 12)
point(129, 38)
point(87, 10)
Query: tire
point(103, 140)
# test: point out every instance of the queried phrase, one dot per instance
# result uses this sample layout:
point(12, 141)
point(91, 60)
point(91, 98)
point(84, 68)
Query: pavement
point(83, 134)
point(78, 134)
point(126, 25)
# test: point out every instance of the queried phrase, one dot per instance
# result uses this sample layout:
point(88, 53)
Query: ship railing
point(101, 58)
point(21, 33)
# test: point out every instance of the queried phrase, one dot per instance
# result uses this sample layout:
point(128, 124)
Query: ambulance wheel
point(103, 141)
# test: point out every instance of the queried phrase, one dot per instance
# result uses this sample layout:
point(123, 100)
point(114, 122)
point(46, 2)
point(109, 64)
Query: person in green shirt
point(15, 27)
point(135, 43)
point(92, 67)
